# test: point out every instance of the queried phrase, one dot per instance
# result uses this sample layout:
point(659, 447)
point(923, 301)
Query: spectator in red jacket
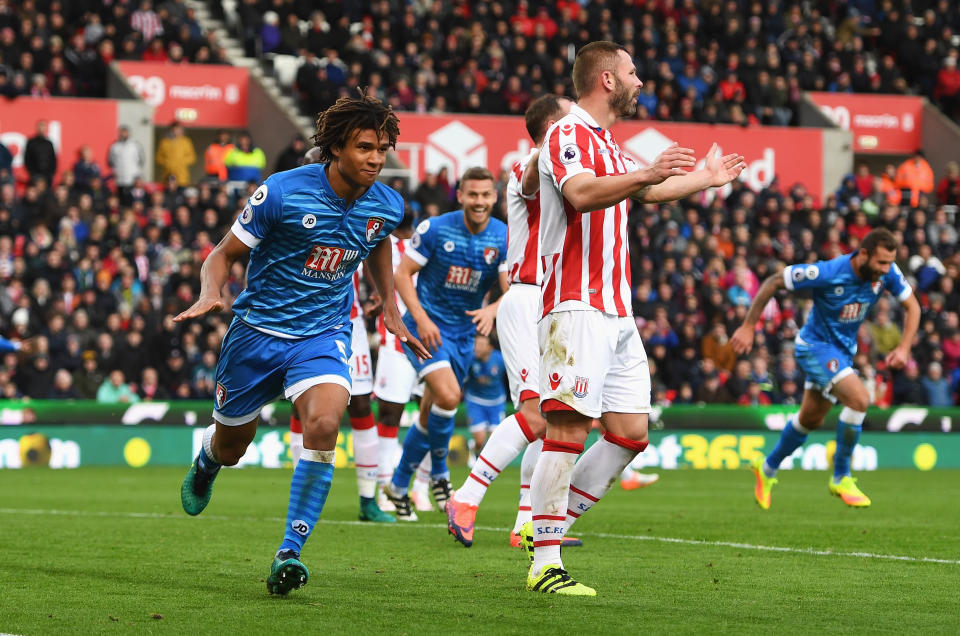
point(947, 90)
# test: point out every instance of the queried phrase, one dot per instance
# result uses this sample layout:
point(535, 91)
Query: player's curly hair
point(339, 123)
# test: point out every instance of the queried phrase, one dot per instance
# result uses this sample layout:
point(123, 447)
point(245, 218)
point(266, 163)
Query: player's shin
point(597, 471)
point(296, 440)
point(791, 438)
point(207, 460)
point(848, 433)
point(507, 441)
point(365, 448)
point(387, 448)
point(415, 446)
point(548, 496)
point(440, 430)
point(527, 466)
point(308, 492)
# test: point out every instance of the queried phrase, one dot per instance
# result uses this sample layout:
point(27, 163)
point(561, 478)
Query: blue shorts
point(456, 351)
point(256, 368)
point(823, 365)
point(484, 417)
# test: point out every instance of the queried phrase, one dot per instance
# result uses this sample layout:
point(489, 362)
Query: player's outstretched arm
point(717, 171)
point(742, 339)
point(380, 269)
point(427, 330)
point(587, 192)
point(213, 276)
point(898, 358)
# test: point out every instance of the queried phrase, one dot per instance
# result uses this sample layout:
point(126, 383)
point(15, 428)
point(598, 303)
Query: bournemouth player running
point(459, 256)
point(844, 289)
point(517, 330)
point(305, 231)
point(365, 440)
point(592, 362)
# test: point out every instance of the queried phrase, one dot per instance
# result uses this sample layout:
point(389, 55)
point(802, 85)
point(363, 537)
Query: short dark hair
point(879, 237)
point(592, 59)
point(540, 111)
point(339, 123)
point(476, 173)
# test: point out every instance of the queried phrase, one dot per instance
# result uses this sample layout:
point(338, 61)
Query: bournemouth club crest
point(221, 395)
point(374, 225)
point(490, 255)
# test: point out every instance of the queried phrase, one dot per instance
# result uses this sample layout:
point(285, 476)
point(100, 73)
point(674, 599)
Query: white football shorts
point(592, 363)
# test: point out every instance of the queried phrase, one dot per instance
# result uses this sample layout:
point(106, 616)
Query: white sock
point(548, 498)
point(387, 449)
point(527, 466)
point(507, 441)
point(597, 471)
point(365, 447)
point(421, 481)
point(296, 447)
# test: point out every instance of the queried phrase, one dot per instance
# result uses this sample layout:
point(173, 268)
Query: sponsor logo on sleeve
point(797, 274)
point(812, 272)
point(247, 215)
point(260, 195)
point(309, 221)
point(569, 154)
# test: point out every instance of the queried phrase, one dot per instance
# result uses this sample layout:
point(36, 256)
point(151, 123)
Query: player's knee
point(229, 452)
point(447, 400)
point(319, 429)
point(359, 406)
point(390, 413)
point(858, 403)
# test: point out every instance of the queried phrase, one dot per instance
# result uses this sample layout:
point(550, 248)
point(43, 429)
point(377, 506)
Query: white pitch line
point(438, 526)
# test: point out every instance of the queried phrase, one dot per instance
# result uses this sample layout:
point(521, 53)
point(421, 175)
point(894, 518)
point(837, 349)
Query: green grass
point(108, 550)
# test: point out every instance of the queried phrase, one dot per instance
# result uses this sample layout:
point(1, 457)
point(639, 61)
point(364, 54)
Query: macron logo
point(555, 380)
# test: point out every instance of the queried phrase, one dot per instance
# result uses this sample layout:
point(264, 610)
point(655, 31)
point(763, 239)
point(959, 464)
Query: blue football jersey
point(841, 299)
point(306, 244)
point(486, 378)
point(458, 267)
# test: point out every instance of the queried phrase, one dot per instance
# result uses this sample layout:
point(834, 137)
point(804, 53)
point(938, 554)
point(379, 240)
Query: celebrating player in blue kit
point(306, 231)
point(459, 256)
point(844, 289)
point(484, 392)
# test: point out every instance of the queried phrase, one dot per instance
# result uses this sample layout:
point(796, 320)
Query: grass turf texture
point(98, 550)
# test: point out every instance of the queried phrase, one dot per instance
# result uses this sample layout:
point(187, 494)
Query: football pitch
point(108, 550)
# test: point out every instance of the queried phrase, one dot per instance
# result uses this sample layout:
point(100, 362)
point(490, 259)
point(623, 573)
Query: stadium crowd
point(98, 275)
point(730, 61)
point(52, 47)
point(96, 265)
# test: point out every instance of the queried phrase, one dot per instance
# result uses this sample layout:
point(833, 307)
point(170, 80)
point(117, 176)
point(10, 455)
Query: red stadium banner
point(197, 95)
point(431, 142)
point(882, 124)
point(71, 124)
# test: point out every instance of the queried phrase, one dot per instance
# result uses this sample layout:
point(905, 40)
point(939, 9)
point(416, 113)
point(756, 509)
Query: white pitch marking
point(438, 526)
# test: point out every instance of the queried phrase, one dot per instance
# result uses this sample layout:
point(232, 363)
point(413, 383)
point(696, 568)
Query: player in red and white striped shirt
point(517, 330)
point(592, 362)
